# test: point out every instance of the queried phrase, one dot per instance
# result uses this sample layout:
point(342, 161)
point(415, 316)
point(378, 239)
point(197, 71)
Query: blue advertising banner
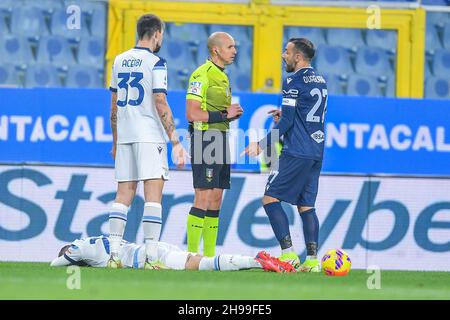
point(363, 135)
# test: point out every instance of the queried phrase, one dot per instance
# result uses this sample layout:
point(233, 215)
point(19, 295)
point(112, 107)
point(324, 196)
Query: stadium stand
point(91, 51)
point(441, 63)
point(446, 36)
point(334, 58)
point(384, 39)
point(59, 20)
point(347, 38)
point(437, 88)
point(55, 50)
point(9, 76)
point(17, 50)
point(42, 76)
point(316, 35)
point(29, 22)
point(81, 76)
point(372, 61)
point(334, 83)
point(35, 32)
point(363, 85)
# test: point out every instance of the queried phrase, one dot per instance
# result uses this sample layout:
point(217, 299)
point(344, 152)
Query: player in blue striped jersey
point(301, 124)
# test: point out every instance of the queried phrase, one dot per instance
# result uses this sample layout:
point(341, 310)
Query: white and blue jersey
point(94, 252)
point(136, 75)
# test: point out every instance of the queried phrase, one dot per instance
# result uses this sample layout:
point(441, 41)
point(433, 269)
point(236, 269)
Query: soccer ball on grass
point(336, 262)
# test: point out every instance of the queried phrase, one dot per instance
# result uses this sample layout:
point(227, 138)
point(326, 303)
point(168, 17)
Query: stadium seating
point(48, 6)
point(55, 50)
point(240, 80)
point(244, 57)
point(59, 26)
point(28, 21)
point(390, 87)
point(202, 52)
point(334, 85)
point(177, 53)
point(7, 5)
point(373, 61)
point(316, 35)
point(361, 85)
point(446, 36)
point(42, 76)
point(385, 39)
point(239, 33)
point(92, 51)
point(15, 50)
point(432, 41)
point(4, 29)
point(441, 63)
point(333, 58)
point(80, 76)
point(9, 76)
point(187, 32)
point(437, 19)
point(437, 88)
point(97, 20)
point(347, 38)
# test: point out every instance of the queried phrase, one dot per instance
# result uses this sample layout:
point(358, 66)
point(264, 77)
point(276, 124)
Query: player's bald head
point(218, 39)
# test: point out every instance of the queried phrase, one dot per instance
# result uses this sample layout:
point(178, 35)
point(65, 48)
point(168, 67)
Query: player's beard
point(157, 48)
point(289, 67)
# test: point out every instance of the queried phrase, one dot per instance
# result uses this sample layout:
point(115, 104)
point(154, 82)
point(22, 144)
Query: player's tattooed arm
point(113, 122)
point(165, 114)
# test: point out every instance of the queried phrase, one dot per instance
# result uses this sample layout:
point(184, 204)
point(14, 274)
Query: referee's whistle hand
point(234, 111)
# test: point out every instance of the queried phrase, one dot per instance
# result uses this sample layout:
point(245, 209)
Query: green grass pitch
point(39, 281)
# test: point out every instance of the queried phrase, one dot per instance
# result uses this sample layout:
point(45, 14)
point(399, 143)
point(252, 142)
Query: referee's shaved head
point(222, 48)
point(217, 39)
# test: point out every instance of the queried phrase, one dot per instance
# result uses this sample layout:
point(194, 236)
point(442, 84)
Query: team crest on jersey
point(195, 87)
point(209, 174)
point(318, 136)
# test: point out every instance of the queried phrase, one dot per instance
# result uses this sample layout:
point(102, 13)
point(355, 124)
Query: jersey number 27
point(311, 117)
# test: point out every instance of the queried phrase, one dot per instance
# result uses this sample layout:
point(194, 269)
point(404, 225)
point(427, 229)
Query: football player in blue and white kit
point(95, 252)
point(302, 127)
point(141, 119)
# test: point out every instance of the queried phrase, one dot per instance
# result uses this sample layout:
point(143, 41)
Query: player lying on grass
point(94, 251)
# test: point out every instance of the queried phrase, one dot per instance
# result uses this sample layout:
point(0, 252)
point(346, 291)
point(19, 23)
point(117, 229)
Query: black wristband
point(217, 116)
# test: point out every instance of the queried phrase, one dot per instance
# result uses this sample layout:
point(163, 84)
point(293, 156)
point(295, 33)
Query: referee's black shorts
point(210, 158)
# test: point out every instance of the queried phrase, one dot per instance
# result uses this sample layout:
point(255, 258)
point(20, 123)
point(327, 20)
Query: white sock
point(152, 223)
point(228, 262)
point(117, 222)
point(311, 257)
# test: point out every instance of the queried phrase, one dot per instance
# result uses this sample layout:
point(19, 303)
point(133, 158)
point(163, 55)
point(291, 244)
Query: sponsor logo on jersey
point(318, 136)
point(195, 87)
point(291, 92)
point(288, 80)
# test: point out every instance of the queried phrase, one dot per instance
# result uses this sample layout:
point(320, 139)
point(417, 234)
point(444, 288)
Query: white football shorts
point(141, 161)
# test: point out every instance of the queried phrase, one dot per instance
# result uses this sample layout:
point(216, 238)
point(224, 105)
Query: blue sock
point(280, 224)
point(310, 231)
